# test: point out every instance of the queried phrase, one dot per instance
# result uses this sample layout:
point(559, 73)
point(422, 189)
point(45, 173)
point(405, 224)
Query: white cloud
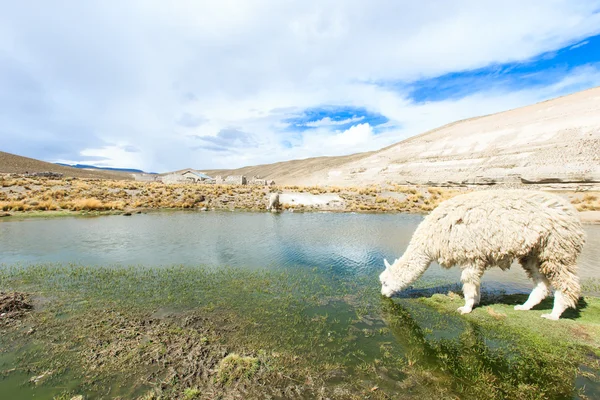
point(327, 121)
point(79, 78)
point(354, 139)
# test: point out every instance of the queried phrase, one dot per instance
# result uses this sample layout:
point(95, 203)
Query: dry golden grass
point(586, 202)
point(94, 195)
point(88, 205)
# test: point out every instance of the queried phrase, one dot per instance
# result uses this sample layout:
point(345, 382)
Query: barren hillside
point(295, 171)
point(553, 141)
point(13, 164)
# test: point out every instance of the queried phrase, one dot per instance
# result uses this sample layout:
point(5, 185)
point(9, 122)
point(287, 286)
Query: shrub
point(87, 205)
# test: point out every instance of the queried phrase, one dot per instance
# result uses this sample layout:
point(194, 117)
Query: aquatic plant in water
point(181, 331)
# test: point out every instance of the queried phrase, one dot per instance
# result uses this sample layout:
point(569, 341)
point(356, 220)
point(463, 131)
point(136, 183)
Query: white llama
point(487, 229)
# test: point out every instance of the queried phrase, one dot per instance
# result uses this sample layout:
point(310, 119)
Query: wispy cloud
point(327, 121)
point(227, 139)
point(578, 45)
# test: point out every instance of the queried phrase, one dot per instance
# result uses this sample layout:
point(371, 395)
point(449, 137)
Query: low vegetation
point(35, 195)
point(196, 333)
point(586, 201)
point(44, 196)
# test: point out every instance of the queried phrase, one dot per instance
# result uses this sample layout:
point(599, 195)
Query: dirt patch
point(580, 332)
point(14, 305)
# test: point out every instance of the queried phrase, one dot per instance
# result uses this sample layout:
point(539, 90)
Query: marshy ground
point(192, 332)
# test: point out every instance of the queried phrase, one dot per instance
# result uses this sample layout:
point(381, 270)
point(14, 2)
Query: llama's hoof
point(521, 307)
point(464, 309)
point(550, 317)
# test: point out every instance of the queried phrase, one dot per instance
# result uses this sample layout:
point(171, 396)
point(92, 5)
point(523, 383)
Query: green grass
point(234, 368)
point(178, 331)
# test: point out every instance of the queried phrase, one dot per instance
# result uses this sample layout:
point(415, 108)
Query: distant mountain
point(84, 166)
point(14, 164)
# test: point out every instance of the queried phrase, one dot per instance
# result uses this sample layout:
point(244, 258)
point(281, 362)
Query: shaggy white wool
point(485, 229)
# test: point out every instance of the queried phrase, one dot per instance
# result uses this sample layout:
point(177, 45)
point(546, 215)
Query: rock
point(127, 214)
point(204, 209)
point(5, 214)
point(37, 379)
point(47, 174)
point(78, 397)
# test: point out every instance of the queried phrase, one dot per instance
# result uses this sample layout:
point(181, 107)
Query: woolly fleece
point(485, 229)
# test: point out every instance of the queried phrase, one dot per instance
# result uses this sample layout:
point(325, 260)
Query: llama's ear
point(386, 263)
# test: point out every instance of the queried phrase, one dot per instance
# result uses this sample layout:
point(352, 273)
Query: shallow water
point(301, 282)
point(347, 244)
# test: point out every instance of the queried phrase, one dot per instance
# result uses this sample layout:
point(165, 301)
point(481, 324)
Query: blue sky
point(157, 86)
point(540, 71)
point(340, 117)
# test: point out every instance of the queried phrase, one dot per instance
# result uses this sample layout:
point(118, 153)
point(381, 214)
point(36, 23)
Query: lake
point(346, 243)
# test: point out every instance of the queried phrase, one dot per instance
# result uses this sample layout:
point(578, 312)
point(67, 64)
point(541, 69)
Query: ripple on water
point(345, 244)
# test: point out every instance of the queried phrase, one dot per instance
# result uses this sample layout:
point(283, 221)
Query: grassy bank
point(36, 197)
point(22, 196)
point(193, 332)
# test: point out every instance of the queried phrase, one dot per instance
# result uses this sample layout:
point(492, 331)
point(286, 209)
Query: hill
point(85, 166)
point(554, 141)
point(295, 171)
point(14, 164)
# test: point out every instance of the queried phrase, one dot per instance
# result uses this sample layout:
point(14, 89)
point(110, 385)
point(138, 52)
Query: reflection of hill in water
point(343, 244)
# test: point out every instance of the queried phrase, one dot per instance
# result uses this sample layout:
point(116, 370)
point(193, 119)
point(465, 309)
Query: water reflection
point(479, 364)
point(345, 243)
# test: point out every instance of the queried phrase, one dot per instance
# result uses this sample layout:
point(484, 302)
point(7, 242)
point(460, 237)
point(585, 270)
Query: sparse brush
point(115, 205)
point(47, 205)
point(90, 204)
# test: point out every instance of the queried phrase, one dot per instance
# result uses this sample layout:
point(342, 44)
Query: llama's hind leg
point(566, 282)
point(560, 305)
point(471, 279)
point(542, 285)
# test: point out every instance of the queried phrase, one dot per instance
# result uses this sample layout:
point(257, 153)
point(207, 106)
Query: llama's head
point(390, 282)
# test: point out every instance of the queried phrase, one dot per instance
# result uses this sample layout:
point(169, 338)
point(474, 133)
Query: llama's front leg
point(471, 279)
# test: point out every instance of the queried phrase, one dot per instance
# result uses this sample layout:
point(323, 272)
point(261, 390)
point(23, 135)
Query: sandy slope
point(295, 171)
point(556, 140)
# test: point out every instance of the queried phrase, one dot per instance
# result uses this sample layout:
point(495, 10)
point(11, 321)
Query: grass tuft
point(234, 368)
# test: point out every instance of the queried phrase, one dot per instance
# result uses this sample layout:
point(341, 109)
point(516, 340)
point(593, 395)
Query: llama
point(485, 229)
point(274, 202)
